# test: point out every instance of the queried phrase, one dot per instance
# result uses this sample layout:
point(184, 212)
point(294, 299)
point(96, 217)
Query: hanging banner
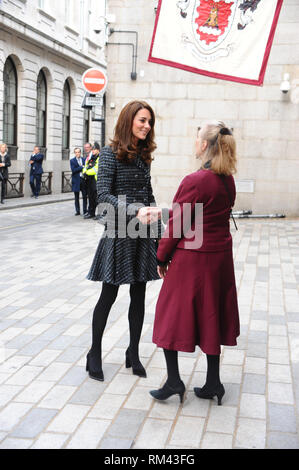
point(225, 39)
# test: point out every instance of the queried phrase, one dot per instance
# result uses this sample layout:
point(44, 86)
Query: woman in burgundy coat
point(197, 304)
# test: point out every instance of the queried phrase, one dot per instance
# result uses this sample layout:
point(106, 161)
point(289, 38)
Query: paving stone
point(258, 336)
point(282, 418)
point(127, 424)
point(255, 365)
point(107, 406)
point(88, 393)
point(68, 419)
point(253, 406)
point(222, 418)
point(25, 375)
point(33, 348)
point(254, 383)
point(50, 441)
point(113, 443)
point(153, 435)
point(57, 396)
point(187, 431)
point(75, 376)
point(139, 399)
point(279, 440)
point(11, 415)
point(216, 441)
point(279, 373)
point(89, 434)
point(55, 371)
point(71, 354)
point(20, 341)
point(250, 434)
point(13, 443)
point(34, 392)
point(34, 423)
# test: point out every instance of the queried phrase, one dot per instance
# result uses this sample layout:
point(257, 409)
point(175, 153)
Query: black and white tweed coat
point(119, 258)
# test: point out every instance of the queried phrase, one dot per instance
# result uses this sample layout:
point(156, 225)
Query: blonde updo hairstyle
point(221, 148)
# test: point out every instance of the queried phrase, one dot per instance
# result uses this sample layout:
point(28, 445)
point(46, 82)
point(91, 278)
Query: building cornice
point(11, 23)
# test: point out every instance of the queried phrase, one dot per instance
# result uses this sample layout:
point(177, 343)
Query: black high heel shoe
point(136, 365)
point(93, 369)
point(167, 391)
point(205, 392)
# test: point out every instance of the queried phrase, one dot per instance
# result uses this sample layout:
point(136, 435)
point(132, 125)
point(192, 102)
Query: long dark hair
point(122, 142)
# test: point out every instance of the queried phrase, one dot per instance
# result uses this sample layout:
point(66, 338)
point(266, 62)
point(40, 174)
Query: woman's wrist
point(162, 263)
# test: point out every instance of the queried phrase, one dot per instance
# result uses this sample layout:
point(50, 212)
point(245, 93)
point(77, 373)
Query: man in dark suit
point(36, 171)
point(4, 164)
point(78, 183)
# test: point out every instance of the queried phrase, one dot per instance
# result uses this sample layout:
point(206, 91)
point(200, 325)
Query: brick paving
point(47, 399)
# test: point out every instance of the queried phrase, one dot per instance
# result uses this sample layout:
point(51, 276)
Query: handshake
point(148, 215)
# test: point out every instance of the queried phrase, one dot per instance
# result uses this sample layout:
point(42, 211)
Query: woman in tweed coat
point(123, 186)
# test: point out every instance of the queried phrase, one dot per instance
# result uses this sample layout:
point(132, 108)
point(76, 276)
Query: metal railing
point(14, 185)
point(66, 182)
point(46, 183)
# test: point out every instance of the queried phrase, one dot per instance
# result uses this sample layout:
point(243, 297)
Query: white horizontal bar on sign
point(96, 81)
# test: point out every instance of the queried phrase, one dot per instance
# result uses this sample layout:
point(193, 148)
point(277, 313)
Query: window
point(66, 115)
point(41, 112)
point(10, 103)
point(86, 126)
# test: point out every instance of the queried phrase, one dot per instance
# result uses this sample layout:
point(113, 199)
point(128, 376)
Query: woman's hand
point(162, 270)
point(148, 215)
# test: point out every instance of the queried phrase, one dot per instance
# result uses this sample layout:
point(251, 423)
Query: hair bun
point(225, 131)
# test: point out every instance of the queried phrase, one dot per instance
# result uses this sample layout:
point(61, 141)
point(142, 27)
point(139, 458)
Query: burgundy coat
point(197, 303)
point(204, 187)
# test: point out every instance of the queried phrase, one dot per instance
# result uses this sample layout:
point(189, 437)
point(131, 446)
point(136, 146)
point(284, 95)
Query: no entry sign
point(94, 81)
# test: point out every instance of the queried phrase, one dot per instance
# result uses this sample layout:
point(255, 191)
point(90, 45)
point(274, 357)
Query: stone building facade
point(265, 121)
point(45, 46)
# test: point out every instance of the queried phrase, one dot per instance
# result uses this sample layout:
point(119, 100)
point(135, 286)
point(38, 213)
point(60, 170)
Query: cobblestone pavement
point(47, 399)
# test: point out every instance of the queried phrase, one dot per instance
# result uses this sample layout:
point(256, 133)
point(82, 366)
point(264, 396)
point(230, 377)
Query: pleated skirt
point(124, 260)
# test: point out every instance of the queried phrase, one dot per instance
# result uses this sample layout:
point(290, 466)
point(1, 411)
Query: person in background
point(4, 164)
point(90, 172)
point(87, 154)
point(36, 171)
point(206, 314)
point(78, 182)
point(87, 150)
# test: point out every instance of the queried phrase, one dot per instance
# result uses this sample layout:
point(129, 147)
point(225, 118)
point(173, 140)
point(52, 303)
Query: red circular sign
point(94, 81)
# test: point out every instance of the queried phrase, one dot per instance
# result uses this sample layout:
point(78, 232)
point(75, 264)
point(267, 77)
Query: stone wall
point(265, 121)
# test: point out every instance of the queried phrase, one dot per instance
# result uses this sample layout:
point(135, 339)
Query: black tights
point(102, 310)
point(212, 380)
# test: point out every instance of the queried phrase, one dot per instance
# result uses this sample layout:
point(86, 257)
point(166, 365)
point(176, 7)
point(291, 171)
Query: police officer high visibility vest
point(91, 167)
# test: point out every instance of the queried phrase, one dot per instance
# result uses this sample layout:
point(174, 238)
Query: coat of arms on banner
point(212, 21)
point(230, 39)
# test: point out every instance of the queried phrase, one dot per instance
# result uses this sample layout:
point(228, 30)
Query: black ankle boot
point(94, 367)
point(135, 363)
point(167, 391)
point(209, 392)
